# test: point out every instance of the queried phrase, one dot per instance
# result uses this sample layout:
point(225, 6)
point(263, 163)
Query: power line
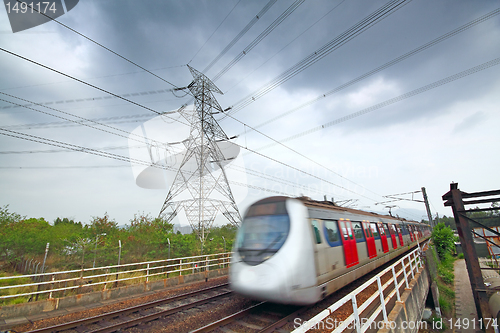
point(84, 120)
point(284, 47)
point(388, 102)
point(372, 19)
point(301, 171)
point(230, 166)
point(88, 84)
point(315, 162)
point(302, 155)
point(224, 20)
point(241, 33)
point(97, 77)
point(99, 44)
point(254, 42)
point(52, 151)
point(260, 37)
point(65, 167)
point(119, 157)
point(61, 124)
point(98, 98)
point(96, 152)
point(157, 113)
point(65, 145)
point(389, 64)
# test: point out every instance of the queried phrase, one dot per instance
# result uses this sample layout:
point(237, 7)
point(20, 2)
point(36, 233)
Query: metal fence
point(410, 264)
point(86, 279)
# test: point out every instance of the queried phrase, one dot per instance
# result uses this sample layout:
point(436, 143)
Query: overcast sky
point(441, 135)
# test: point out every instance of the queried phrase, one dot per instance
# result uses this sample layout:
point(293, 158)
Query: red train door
point(400, 234)
point(383, 238)
point(348, 243)
point(392, 231)
point(370, 241)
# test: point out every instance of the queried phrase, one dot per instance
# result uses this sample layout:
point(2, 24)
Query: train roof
point(332, 206)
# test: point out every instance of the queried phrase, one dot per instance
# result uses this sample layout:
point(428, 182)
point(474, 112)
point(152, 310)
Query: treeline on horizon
point(488, 218)
point(73, 244)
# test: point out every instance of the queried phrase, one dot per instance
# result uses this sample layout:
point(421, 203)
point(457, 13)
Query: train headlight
point(267, 257)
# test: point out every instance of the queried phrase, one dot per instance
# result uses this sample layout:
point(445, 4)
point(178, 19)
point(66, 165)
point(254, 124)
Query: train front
point(273, 255)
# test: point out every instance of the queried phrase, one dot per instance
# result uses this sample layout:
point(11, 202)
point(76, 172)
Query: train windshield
point(261, 236)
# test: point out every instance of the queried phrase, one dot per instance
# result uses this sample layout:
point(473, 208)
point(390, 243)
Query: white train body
point(298, 251)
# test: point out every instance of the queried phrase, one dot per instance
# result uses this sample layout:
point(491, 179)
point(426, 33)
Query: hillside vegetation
point(73, 244)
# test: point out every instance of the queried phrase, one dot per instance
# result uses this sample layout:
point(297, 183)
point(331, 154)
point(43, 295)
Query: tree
point(21, 238)
point(101, 225)
point(7, 219)
point(147, 236)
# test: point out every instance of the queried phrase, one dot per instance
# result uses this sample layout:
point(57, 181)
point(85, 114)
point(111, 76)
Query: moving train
point(298, 251)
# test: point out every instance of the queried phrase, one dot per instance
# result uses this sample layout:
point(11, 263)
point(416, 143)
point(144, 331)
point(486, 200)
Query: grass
point(445, 282)
point(13, 291)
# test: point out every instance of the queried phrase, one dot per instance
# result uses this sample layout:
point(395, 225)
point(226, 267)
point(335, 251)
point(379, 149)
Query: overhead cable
point(284, 47)
point(61, 124)
point(388, 64)
point(224, 20)
point(98, 98)
point(259, 38)
point(83, 121)
point(388, 102)
point(96, 152)
point(91, 85)
point(302, 155)
point(301, 171)
point(241, 33)
point(99, 44)
point(372, 19)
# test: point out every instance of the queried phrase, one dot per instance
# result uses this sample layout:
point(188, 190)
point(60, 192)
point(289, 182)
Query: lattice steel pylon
point(209, 178)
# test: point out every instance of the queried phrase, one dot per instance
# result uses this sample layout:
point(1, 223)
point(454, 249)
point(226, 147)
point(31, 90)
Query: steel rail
point(283, 321)
point(229, 319)
point(137, 308)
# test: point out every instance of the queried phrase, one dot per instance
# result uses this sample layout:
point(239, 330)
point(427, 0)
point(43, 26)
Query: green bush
point(443, 239)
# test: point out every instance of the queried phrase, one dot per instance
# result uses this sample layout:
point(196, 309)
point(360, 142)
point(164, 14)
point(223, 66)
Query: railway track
point(263, 317)
point(141, 314)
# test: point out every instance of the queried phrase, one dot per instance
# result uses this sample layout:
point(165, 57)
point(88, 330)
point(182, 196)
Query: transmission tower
point(207, 185)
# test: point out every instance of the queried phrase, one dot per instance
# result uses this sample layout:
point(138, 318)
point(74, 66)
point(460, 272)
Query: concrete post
point(431, 268)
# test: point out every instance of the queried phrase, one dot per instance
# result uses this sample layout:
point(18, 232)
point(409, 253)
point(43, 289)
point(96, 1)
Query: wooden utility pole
point(429, 215)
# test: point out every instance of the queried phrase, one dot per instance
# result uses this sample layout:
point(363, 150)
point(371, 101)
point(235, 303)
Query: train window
point(272, 208)
point(386, 229)
point(332, 233)
point(315, 226)
point(260, 237)
point(381, 229)
point(373, 226)
point(345, 236)
point(349, 231)
point(367, 229)
point(358, 232)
